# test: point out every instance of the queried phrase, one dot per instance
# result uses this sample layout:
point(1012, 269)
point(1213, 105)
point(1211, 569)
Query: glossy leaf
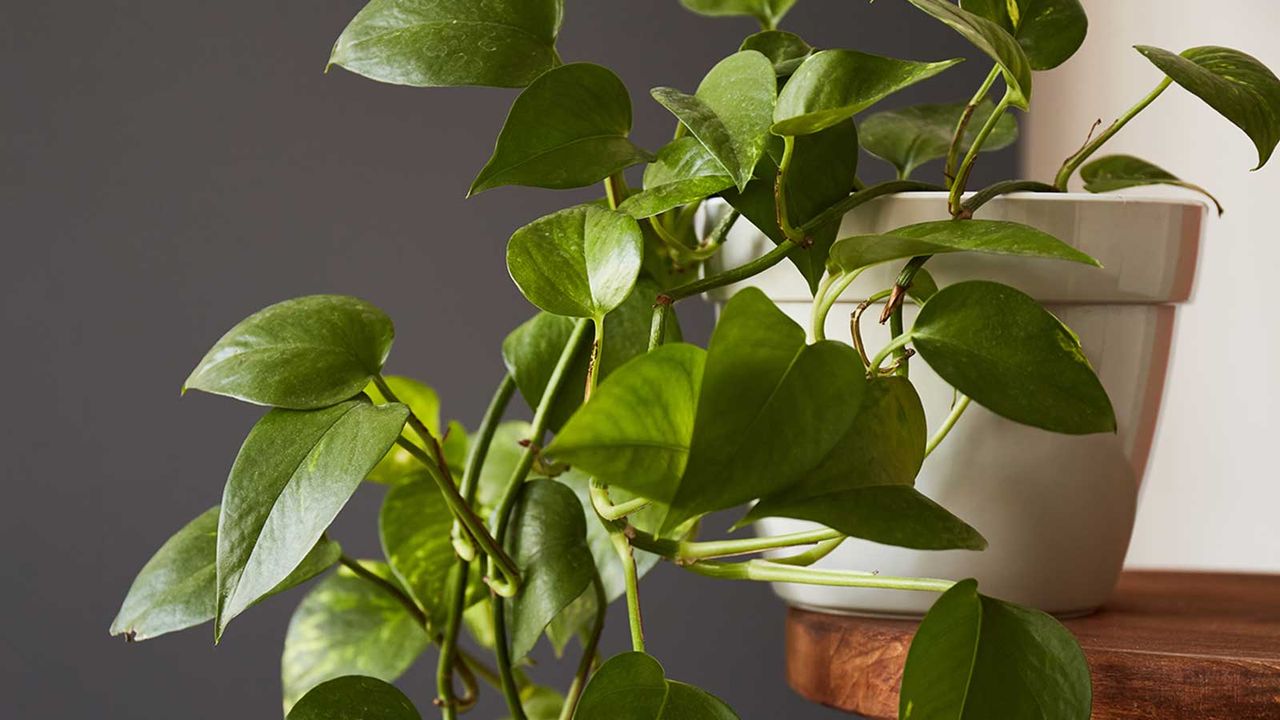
point(638, 427)
point(684, 172)
point(785, 50)
point(1000, 347)
point(175, 590)
point(911, 137)
point(576, 620)
point(1121, 172)
point(432, 43)
point(414, 526)
point(633, 686)
point(348, 626)
point(580, 262)
point(568, 129)
point(834, 85)
point(305, 353)
point(1049, 31)
point(991, 39)
point(731, 111)
point(768, 12)
point(504, 454)
point(977, 657)
point(295, 472)
point(823, 172)
point(1238, 86)
point(352, 697)
point(547, 540)
point(864, 486)
point(994, 237)
point(398, 464)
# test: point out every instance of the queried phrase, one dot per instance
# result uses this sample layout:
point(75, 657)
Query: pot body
point(1057, 510)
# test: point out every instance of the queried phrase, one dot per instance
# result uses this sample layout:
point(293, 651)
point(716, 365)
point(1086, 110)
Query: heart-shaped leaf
point(415, 525)
point(1120, 172)
point(978, 657)
point(864, 487)
point(991, 39)
point(731, 111)
point(993, 237)
point(785, 50)
point(568, 129)
point(684, 172)
point(295, 472)
point(1049, 31)
point(834, 85)
point(433, 43)
point(398, 464)
point(175, 590)
point(354, 697)
point(548, 542)
point(1000, 347)
point(348, 626)
point(1237, 85)
point(823, 171)
point(768, 12)
point(580, 262)
point(532, 350)
point(633, 686)
point(305, 353)
point(911, 137)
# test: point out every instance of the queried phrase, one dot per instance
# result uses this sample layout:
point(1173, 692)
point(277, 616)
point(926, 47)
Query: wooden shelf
point(1169, 646)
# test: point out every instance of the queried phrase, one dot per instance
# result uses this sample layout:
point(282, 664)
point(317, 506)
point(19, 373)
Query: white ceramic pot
point(1057, 510)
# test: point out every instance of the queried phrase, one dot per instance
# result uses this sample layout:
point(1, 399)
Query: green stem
point(814, 554)
point(986, 195)
point(895, 345)
point(966, 166)
point(685, 552)
point(615, 190)
point(720, 232)
point(823, 303)
point(502, 651)
point(768, 571)
point(588, 654)
point(837, 211)
point(632, 579)
point(606, 509)
point(1073, 163)
point(389, 587)
point(793, 234)
point(956, 411)
point(593, 365)
point(953, 153)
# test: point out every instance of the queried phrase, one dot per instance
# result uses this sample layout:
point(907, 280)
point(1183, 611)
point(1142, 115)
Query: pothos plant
point(520, 530)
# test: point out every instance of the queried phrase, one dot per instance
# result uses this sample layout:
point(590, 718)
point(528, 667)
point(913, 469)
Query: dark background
point(167, 168)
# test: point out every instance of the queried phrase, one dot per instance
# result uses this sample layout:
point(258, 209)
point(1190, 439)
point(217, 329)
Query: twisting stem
point(1005, 187)
point(793, 234)
point(687, 552)
point(855, 324)
point(814, 554)
point(588, 653)
point(611, 511)
point(953, 153)
point(894, 346)
point(966, 166)
point(957, 410)
point(1071, 164)
point(768, 571)
point(827, 298)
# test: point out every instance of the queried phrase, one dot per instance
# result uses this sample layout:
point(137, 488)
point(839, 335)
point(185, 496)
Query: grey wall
point(169, 167)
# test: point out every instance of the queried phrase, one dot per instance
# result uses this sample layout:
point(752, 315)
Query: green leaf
point(547, 540)
point(348, 625)
point(1238, 86)
point(579, 262)
point(415, 526)
point(768, 12)
point(911, 137)
point(568, 129)
point(978, 657)
point(638, 426)
point(305, 353)
point(532, 350)
point(731, 111)
point(1049, 31)
point(633, 686)
point(354, 697)
point(823, 171)
point(684, 172)
point(993, 237)
point(505, 452)
point(398, 464)
point(834, 85)
point(455, 445)
point(864, 486)
point(991, 39)
point(1001, 348)
point(541, 703)
point(175, 590)
point(785, 50)
point(435, 43)
point(922, 287)
point(1120, 172)
point(295, 472)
